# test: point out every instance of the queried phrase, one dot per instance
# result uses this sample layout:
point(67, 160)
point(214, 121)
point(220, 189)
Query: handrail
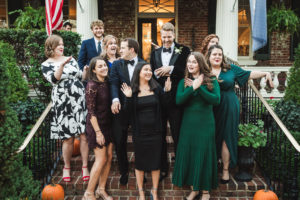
point(276, 118)
point(35, 128)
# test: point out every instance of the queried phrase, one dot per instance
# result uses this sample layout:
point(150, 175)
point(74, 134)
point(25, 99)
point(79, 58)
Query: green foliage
point(29, 47)
point(30, 18)
point(28, 112)
point(18, 85)
point(251, 135)
point(289, 113)
point(281, 19)
point(4, 85)
point(292, 92)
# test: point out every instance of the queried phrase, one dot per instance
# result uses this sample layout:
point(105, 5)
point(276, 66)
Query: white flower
point(178, 51)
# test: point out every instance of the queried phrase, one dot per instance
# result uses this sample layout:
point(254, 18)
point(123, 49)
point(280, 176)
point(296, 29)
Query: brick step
point(76, 187)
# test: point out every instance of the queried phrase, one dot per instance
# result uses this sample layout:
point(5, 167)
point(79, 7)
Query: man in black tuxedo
point(169, 60)
point(121, 72)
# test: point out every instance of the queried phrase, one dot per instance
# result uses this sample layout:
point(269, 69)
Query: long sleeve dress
point(196, 158)
point(145, 115)
point(68, 101)
point(227, 113)
point(98, 104)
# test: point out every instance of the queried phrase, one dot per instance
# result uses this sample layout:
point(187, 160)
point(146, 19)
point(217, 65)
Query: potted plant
point(251, 136)
point(282, 20)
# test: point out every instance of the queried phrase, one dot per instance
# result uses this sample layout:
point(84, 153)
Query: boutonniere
point(178, 50)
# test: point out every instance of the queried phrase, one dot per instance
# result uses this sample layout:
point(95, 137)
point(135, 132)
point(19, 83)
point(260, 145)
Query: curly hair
point(224, 65)
point(203, 69)
point(50, 44)
point(97, 22)
point(205, 42)
point(106, 41)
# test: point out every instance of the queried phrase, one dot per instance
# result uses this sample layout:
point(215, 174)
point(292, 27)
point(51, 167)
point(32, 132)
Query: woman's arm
point(258, 74)
point(212, 97)
point(183, 93)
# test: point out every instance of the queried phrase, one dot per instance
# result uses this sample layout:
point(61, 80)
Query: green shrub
point(18, 85)
point(289, 113)
point(30, 18)
point(292, 92)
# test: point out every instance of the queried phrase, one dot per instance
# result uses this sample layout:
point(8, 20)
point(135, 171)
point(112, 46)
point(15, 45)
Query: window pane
point(156, 6)
point(146, 40)
point(244, 32)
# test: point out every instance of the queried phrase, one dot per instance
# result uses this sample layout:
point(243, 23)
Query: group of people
point(111, 89)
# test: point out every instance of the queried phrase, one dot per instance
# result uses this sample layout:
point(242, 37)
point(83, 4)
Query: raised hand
point(126, 90)
point(68, 59)
point(188, 82)
point(198, 82)
point(168, 84)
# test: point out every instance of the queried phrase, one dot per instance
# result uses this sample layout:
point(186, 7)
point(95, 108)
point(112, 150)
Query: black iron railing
point(279, 159)
point(40, 153)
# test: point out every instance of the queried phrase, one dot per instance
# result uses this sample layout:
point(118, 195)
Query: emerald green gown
point(227, 113)
point(196, 158)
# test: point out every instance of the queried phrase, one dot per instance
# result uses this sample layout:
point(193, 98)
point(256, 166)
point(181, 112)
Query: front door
point(147, 35)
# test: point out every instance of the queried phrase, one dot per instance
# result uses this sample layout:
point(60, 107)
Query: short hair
point(168, 27)
point(132, 43)
point(50, 44)
point(98, 22)
point(67, 24)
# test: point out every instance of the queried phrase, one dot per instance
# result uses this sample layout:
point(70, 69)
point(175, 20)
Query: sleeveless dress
point(68, 101)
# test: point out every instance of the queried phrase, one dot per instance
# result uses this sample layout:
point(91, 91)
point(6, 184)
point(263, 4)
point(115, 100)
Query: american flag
point(54, 15)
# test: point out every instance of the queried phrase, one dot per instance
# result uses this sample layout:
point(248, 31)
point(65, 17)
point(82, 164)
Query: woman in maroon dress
point(98, 128)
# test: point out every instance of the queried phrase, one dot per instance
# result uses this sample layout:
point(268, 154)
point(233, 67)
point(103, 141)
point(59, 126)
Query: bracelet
point(98, 131)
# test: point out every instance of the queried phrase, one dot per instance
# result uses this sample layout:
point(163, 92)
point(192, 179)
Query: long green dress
point(196, 157)
point(227, 113)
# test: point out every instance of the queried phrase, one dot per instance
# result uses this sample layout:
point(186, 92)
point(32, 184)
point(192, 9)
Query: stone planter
point(245, 163)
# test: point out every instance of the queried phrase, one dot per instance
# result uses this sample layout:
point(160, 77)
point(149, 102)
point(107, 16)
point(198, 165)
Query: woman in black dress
point(98, 127)
point(143, 103)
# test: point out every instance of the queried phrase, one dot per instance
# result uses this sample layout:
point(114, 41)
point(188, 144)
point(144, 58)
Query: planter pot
point(245, 163)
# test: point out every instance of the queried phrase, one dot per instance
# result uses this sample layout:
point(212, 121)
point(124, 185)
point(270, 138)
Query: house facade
point(193, 19)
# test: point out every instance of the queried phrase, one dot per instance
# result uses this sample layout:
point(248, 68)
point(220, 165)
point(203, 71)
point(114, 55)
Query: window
point(156, 6)
point(3, 13)
point(244, 30)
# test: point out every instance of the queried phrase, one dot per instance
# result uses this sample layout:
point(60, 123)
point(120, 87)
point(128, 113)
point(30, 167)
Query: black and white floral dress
point(68, 100)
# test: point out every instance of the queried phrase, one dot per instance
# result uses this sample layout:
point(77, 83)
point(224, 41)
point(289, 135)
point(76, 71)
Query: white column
point(227, 26)
point(86, 12)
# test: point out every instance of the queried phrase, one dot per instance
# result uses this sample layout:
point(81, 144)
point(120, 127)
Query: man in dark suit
point(121, 72)
point(91, 48)
point(169, 60)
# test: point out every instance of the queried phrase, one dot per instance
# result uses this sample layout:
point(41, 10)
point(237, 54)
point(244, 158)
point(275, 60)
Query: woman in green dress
point(227, 112)
point(196, 158)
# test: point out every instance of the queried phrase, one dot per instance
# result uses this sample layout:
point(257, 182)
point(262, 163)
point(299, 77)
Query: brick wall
point(119, 18)
point(192, 15)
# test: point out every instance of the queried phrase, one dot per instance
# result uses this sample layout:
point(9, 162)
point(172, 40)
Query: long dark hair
point(203, 69)
point(90, 74)
point(135, 82)
point(224, 65)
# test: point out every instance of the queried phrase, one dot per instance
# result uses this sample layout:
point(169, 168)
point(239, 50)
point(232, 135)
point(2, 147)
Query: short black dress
point(148, 139)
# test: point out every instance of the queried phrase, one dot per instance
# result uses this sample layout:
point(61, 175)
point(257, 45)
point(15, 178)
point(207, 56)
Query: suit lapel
point(158, 60)
point(125, 71)
point(174, 55)
point(93, 45)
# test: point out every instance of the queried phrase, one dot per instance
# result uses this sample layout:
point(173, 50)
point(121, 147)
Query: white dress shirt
point(166, 57)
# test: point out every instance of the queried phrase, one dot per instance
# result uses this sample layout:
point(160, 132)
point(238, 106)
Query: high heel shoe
point(141, 190)
point(99, 194)
point(85, 178)
point(88, 196)
point(224, 181)
point(151, 195)
point(195, 197)
point(66, 178)
point(205, 193)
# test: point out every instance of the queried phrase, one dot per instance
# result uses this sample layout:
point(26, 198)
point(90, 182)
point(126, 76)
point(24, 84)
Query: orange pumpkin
point(53, 192)
point(76, 148)
point(265, 195)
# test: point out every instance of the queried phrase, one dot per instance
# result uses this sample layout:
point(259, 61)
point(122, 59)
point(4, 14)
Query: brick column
point(86, 12)
point(227, 26)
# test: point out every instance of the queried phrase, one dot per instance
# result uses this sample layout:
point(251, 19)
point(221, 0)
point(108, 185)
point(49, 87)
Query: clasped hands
point(163, 71)
point(196, 83)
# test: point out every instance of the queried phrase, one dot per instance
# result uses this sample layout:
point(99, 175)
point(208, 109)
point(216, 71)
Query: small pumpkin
point(265, 195)
point(53, 192)
point(76, 148)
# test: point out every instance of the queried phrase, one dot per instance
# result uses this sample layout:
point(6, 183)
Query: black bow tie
point(131, 62)
point(167, 50)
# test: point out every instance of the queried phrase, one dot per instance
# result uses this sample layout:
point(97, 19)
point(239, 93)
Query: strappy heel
point(84, 178)
point(195, 197)
point(151, 195)
point(205, 193)
point(141, 190)
point(99, 194)
point(88, 196)
point(67, 178)
point(223, 181)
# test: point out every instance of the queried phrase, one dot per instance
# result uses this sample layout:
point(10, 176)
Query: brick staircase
point(167, 191)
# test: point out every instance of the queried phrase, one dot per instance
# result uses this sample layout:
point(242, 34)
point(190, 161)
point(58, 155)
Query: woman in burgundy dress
point(98, 128)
